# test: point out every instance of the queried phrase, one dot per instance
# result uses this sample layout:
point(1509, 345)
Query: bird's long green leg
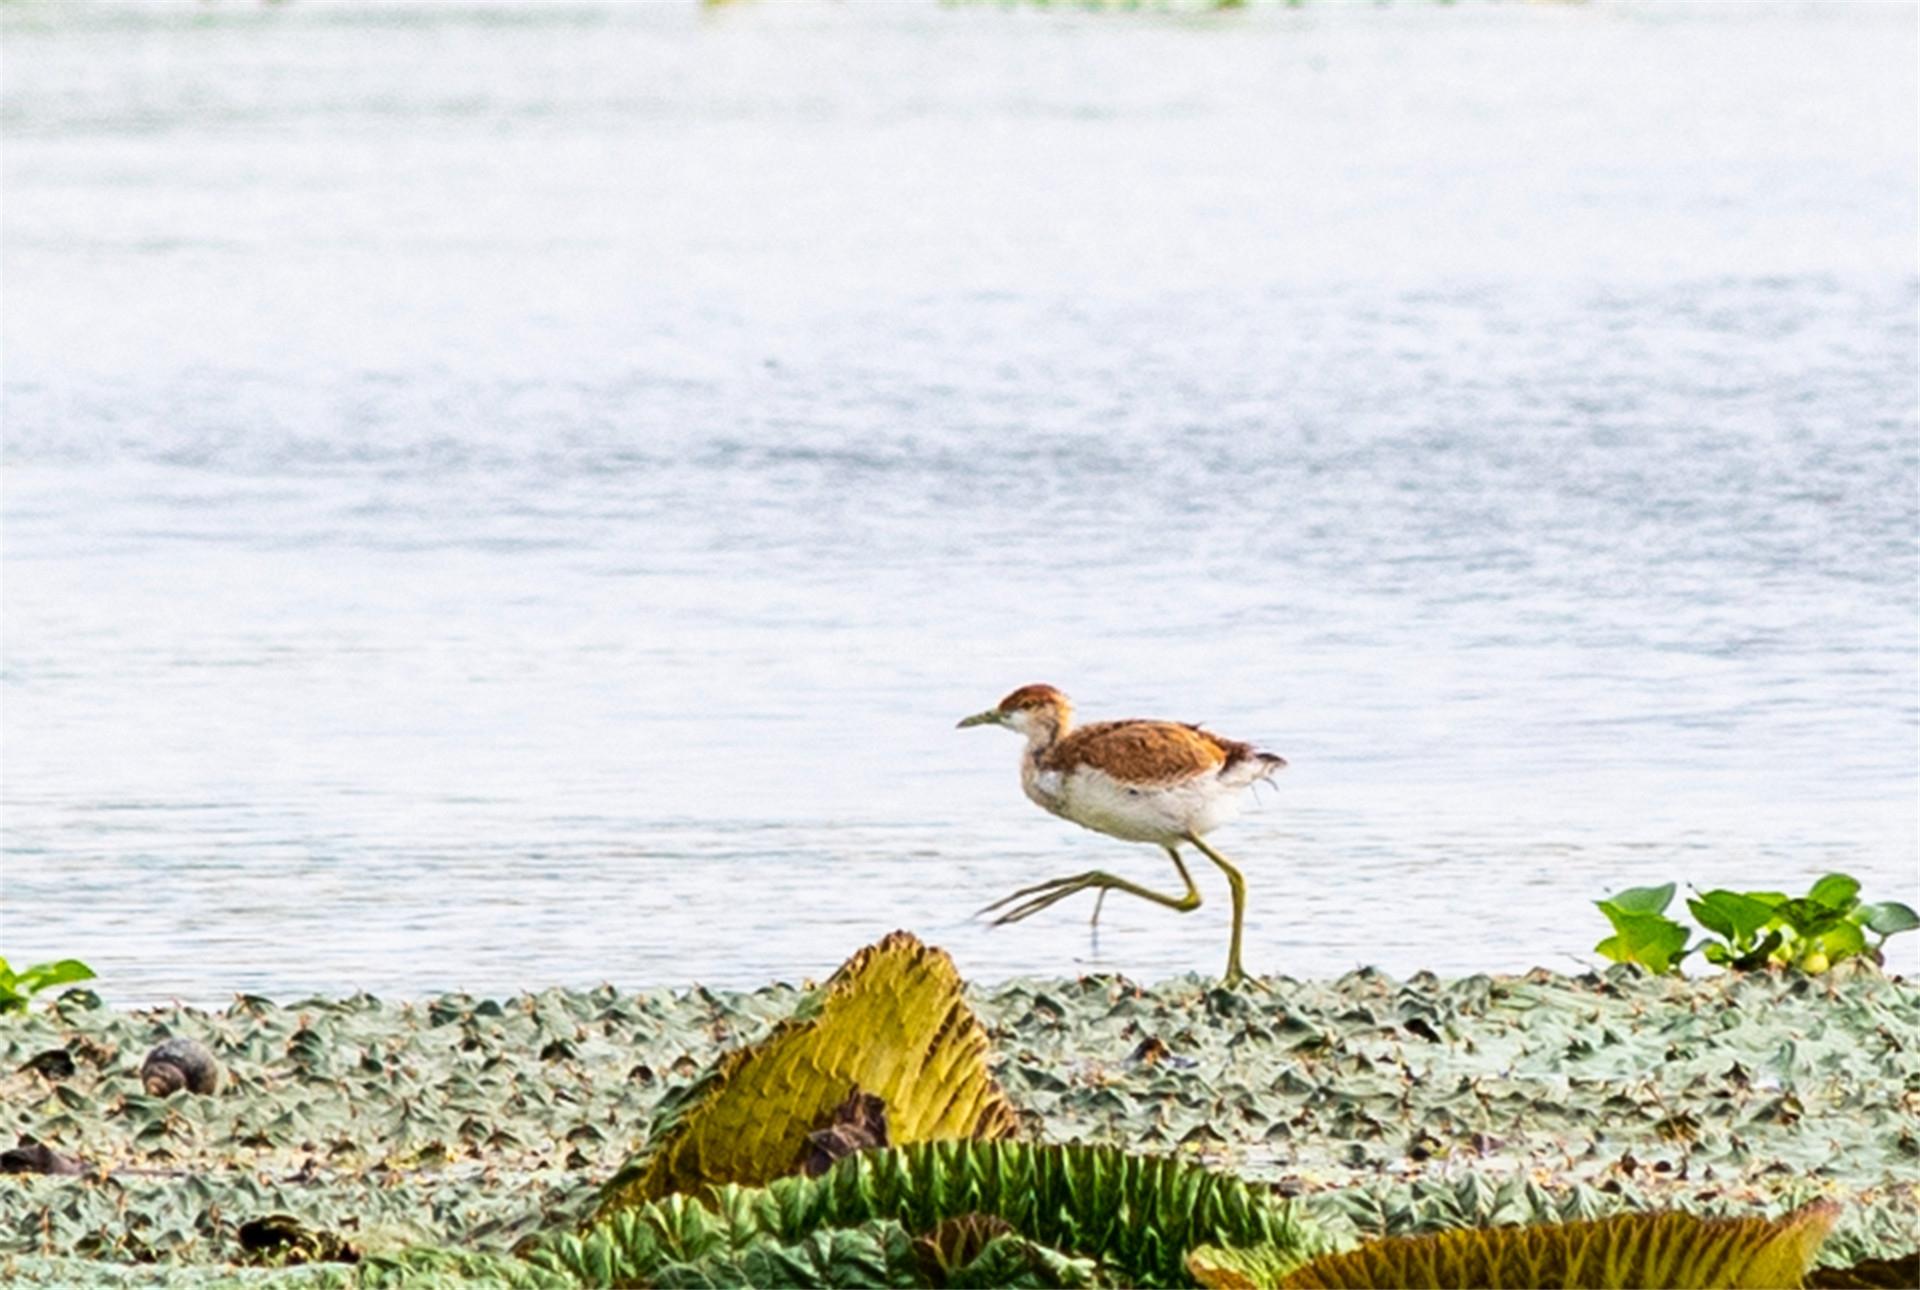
point(1042, 895)
point(1235, 973)
point(1100, 899)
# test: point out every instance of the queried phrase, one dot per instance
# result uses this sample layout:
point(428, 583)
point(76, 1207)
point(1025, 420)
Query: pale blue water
point(499, 496)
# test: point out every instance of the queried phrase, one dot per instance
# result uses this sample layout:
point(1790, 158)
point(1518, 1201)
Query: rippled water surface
point(501, 496)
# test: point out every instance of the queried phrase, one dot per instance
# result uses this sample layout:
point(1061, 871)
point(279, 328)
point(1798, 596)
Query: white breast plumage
point(1045, 788)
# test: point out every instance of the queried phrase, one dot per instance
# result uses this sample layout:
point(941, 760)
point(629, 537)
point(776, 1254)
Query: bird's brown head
point(1028, 709)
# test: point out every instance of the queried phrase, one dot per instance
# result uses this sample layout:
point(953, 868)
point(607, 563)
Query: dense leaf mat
point(1396, 1106)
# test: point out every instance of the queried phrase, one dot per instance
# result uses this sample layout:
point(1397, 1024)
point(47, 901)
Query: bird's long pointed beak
point(989, 717)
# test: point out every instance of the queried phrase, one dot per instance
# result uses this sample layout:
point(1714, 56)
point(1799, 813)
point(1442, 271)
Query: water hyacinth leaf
point(1757, 957)
point(1675, 1250)
point(1837, 891)
point(1654, 941)
point(891, 1022)
point(43, 976)
point(1807, 918)
point(1639, 900)
point(17, 988)
point(1738, 918)
point(1888, 917)
point(1842, 940)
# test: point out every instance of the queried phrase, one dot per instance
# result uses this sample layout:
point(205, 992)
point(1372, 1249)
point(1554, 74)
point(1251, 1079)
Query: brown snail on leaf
point(179, 1063)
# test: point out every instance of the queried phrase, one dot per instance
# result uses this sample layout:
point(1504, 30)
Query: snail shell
point(180, 1063)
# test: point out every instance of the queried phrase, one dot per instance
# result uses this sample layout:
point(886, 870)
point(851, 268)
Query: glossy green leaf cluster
point(1754, 929)
point(16, 988)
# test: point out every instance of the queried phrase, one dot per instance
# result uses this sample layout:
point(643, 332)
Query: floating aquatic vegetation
point(1679, 1251)
point(1068, 1209)
point(892, 1024)
point(18, 988)
point(1756, 929)
point(31, 1157)
point(1870, 1274)
point(1383, 1106)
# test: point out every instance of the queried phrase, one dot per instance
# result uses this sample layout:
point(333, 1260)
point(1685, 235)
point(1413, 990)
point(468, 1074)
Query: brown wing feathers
point(1145, 752)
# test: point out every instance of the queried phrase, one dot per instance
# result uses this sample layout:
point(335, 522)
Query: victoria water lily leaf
point(985, 1250)
point(1014, 1261)
point(1674, 1250)
point(958, 1241)
point(891, 1023)
point(1222, 1267)
point(1536, 1067)
point(1902, 1273)
point(1138, 1215)
point(857, 1124)
point(879, 1254)
point(1033, 1210)
point(428, 1268)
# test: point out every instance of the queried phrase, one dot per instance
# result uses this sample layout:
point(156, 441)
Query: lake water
point(499, 496)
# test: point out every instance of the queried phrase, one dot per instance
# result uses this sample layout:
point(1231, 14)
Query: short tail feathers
point(1246, 764)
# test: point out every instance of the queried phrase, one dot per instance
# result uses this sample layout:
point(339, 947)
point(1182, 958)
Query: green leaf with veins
point(1738, 918)
point(1654, 941)
point(1888, 917)
point(1639, 900)
point(1843, 940)
point(1837, 891)
point(1807, 918)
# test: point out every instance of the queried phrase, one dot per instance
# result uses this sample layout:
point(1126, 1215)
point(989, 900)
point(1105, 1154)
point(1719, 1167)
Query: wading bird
point(1162, 782)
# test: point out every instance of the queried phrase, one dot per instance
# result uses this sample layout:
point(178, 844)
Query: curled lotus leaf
point(892, 1022)
point(1677, 1250)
